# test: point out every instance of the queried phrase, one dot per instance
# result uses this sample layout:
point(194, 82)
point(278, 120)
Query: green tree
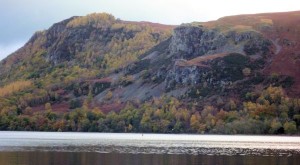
point(275, 127)
point(290, 127)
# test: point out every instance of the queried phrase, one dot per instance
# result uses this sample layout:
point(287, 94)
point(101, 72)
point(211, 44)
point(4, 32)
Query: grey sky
point(21, 18)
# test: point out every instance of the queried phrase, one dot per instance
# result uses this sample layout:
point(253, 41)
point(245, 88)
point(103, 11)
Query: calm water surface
point(45, 148)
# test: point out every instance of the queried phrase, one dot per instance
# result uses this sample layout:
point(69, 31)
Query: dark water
point(36, 148)
point(88, 158)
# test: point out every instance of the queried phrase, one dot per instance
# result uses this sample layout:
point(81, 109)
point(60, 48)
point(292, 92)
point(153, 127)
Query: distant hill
point(238, 74)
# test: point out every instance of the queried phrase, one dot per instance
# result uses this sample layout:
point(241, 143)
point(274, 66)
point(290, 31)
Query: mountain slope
point(98, 73)
point(97, 41)
point(282, 30)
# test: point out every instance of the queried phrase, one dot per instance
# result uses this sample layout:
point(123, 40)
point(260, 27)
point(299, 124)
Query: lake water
point(49, 148)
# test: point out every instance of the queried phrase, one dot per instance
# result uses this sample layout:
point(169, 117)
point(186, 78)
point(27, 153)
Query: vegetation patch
point(253, 47)
point(137, 67)
point(230, 67)
point(15, 87)
point(279, 80)
point(199, 91)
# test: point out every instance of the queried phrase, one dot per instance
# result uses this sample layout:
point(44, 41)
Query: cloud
point(6, 50)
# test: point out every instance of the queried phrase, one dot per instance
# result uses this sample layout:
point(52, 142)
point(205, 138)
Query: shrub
point(126, 80)
point(75, 103)
point(246, 71)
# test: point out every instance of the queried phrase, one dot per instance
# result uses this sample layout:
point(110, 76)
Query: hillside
point(99, 73)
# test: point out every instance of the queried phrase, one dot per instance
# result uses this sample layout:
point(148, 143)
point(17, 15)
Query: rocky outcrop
point(189, 41)
point(194, 76)
point(97, 34)
point(184, 76)
point(216, 72)
point(64, 42)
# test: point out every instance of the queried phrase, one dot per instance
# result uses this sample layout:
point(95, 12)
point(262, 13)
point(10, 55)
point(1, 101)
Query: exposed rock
point(191, 41)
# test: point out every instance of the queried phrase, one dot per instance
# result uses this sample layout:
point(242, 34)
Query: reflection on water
point(86, 158)
point(40, 148)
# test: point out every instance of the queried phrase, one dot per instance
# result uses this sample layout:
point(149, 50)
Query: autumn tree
point(48, 107)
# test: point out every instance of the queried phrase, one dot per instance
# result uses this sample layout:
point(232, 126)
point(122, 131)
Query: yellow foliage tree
point(48, 107)
point(15, 87)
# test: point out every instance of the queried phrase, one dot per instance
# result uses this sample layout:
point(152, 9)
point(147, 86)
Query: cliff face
point(190, 41)
point(199, 54)
point(96, 34)
point(113, 61)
